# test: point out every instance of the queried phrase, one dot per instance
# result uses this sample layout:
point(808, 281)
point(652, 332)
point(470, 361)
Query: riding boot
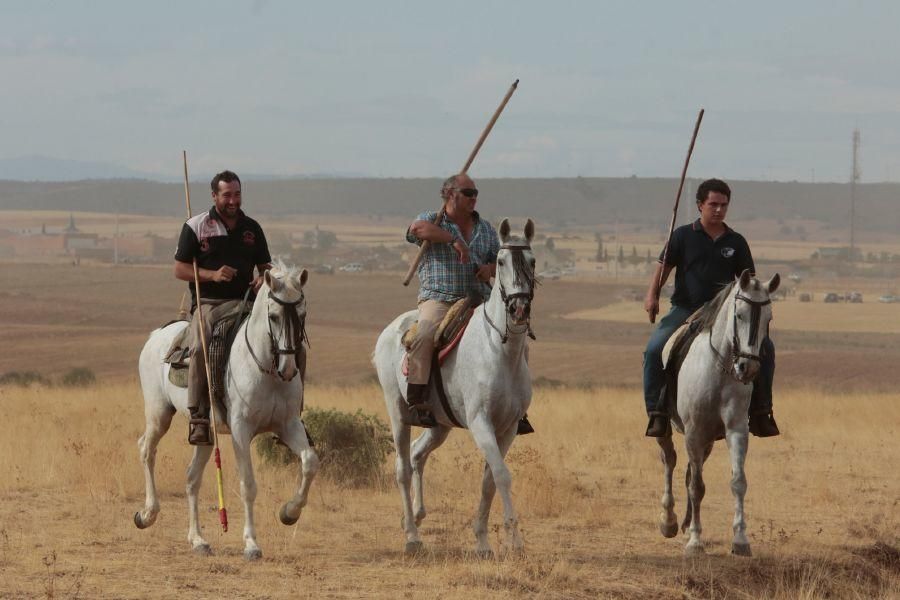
point(524, 427)
point(764, 425)
point(419, 412)
point(199, 432)
point(659, 425)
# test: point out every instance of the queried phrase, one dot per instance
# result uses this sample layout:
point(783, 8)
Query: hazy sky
point(393, 88)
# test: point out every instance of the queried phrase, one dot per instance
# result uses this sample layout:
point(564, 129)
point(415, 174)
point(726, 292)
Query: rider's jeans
point(654, 377)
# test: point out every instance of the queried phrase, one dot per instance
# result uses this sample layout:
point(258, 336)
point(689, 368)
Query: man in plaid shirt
point(461, 256)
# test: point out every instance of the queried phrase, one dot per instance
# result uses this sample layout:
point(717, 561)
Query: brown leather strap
point(439, 386)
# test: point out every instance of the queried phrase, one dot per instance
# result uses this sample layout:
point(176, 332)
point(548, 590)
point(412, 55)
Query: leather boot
point(419, 412)
point(524, 427)
point(659, 425)
point(763, 425)
point(199, 434)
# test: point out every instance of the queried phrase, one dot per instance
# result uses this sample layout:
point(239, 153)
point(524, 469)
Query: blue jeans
point(654, 377)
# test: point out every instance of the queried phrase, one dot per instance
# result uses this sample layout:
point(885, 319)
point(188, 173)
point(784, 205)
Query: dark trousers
point(654, 376)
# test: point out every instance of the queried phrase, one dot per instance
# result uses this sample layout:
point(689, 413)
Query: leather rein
point(296, 333)
point(735, 353)
point(518, 258)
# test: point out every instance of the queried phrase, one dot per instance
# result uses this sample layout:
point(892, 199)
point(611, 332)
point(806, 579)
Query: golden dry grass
point(822, 506)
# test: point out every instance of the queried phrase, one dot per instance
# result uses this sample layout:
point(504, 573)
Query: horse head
point(515, 272)
point(284, 305)
point(751, 314)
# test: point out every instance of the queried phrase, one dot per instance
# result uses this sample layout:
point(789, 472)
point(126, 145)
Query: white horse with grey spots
point(262, 393)
point(488, 386)
point(712, 401)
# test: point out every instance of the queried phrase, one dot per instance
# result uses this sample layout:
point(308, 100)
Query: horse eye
point(273, 318)
point(500, 261)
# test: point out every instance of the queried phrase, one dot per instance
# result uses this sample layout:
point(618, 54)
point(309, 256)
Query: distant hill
point(44, 168)
point(579, 200)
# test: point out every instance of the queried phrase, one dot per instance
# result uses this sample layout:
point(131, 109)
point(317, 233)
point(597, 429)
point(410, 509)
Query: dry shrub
point(352, 447)
point(23, 378)
point(78, 377)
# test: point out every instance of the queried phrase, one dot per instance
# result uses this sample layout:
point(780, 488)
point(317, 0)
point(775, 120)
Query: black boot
point(419, 412)
point(658, 426)
point(199, 434)
point(763, 425)
point(524, 427)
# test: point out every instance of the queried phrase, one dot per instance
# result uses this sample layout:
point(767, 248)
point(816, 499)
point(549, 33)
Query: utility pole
point(854, 179)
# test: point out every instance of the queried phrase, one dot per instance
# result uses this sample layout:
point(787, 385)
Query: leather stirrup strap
point(439, 386)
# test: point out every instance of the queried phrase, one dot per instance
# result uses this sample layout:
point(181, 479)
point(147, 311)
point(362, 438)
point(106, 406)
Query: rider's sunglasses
point(468, 192)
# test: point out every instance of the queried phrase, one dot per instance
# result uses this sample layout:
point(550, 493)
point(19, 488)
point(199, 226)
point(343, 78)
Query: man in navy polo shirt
point(228, 245)
point(706, 256)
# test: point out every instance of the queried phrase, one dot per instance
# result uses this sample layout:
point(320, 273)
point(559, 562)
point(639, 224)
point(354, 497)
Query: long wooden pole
point(687, 161)
point(223, 514)
point(469, 161)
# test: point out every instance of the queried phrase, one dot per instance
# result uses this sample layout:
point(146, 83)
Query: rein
point(735, 353)
point(296, 333)
point(521, 276)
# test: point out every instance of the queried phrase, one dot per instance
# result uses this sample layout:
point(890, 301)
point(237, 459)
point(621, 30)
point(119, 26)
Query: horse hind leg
point(157, 425)
point(294, 435)
point(696, 491)
point(422, 448)
point(194, 479)
point(496, 476)
point(668, 520)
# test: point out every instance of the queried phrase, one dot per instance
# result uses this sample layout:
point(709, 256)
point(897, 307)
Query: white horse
point(262, 393)
point(488, 386)
point(713, 398)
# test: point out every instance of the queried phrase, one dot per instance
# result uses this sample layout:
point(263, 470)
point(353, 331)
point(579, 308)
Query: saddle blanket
point(448, 333)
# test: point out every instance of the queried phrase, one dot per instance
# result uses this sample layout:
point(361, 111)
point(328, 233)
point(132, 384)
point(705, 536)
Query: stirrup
point(763, 425)
point(524, 427)
point(199, 433)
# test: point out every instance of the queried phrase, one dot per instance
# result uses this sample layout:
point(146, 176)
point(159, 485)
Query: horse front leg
point(697, 455)
point(157, 425)
point(500, 478)
point(668, 520)
point(240, 440)
point(294, 435)
point(422, 448)
point(194, 479)
point(488, 489)
point(737, 446)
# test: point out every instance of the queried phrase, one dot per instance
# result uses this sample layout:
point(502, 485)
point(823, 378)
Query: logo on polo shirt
point(249, 238)
point(204, 245)
point(727, 252)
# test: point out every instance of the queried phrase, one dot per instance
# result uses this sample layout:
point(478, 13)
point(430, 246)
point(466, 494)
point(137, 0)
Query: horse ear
point(773, 283)
point(304, 275)
point(504, 230)
point(744, 279)
point(273, 282)
point(529, 230)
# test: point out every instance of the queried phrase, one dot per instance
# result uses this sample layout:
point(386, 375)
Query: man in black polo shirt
point(706, 256)
point(228, 245)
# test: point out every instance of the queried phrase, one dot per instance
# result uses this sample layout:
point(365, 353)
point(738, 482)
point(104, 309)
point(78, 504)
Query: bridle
point(295, 328)
point(523, 274)
point(735, 353)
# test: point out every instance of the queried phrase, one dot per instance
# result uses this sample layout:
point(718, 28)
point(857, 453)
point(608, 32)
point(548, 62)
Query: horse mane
point(710, 310)
point(286, 273)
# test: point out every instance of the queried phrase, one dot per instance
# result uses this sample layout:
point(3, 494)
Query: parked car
point(889, 298)
point(854, 297)
point(831, 297)
point(324, 270)
point(805, 297)
point(352, 268)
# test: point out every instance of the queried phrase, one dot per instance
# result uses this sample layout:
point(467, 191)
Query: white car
point(351, 268)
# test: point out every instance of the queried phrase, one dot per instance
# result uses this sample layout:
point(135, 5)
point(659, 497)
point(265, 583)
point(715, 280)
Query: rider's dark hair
point(226, 176)
point(712, 185)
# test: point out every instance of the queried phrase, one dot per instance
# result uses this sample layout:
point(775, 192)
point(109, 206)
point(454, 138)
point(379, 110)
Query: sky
point(403, 89)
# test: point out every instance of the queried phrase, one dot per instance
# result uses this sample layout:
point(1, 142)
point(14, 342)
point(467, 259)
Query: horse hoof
point(484, 554)
point(285, 518)
point(252, 554)
point(694, 551)
point(741, 549)
point(414, 548)
point(668, 530)
point(138, 522)
point(202, 550)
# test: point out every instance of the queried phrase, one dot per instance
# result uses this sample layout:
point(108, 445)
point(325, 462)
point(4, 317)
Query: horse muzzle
point(519, 308)
point(745, 369)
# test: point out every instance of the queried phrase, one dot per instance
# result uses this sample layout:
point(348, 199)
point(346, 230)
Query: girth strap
point(442, 395)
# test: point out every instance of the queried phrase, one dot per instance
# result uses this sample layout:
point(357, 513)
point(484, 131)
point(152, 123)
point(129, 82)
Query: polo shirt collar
point(696, 226)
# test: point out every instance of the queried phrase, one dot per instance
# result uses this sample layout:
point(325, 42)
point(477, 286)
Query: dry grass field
point(822, 509)
point(823, 501)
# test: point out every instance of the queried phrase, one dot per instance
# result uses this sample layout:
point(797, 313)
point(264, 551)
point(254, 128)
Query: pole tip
point(515, 83)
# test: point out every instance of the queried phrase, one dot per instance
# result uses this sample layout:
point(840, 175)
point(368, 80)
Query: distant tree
point(600, 250)
point(648, 260)
point(621, 255)
point(550, 244)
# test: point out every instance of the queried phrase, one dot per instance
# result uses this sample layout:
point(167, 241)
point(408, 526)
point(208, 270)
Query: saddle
point(224, 332)
point(673, 355)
